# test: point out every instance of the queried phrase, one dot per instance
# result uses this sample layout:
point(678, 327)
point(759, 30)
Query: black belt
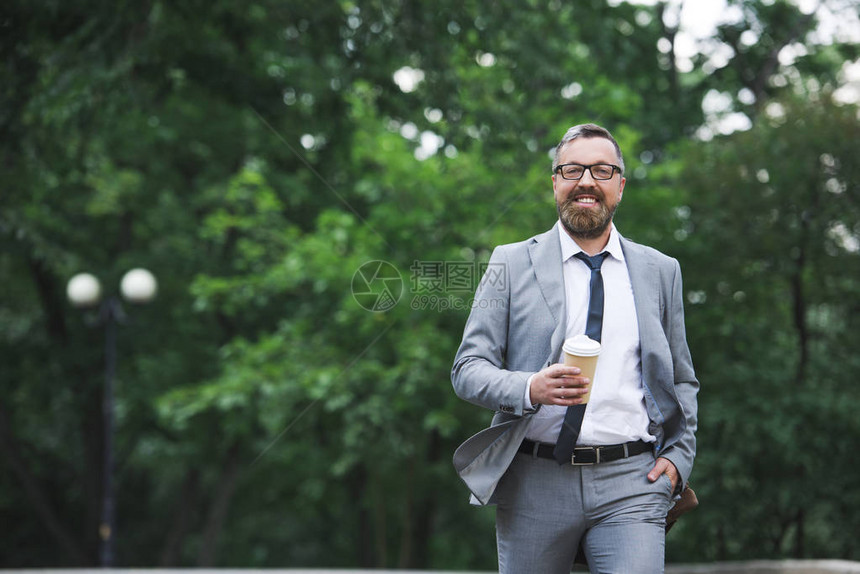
point(589, 454)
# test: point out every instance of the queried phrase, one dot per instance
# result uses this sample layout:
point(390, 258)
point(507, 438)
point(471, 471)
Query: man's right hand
point(558, 385)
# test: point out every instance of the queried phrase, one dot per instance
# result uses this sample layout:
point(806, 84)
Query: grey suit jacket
point(517, 327)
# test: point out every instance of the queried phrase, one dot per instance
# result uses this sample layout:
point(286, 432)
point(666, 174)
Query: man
point(635, 443)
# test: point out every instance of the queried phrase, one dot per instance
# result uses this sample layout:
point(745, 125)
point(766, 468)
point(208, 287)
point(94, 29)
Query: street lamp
point(84, 291)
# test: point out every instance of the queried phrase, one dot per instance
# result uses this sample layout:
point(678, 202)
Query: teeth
point(586, 200)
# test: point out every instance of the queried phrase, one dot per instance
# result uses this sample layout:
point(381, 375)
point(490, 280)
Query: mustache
point(571, 199)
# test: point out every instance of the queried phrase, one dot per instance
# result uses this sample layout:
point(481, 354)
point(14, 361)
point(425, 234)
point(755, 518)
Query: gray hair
point(586, 131)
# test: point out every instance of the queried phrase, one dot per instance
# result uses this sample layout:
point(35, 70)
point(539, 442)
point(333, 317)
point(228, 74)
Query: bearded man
point(565, 476)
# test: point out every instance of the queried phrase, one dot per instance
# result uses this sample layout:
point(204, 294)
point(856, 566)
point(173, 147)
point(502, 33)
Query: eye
point(572, 171)
point(602, 171)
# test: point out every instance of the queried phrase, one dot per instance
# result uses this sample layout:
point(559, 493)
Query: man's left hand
point(664, 466)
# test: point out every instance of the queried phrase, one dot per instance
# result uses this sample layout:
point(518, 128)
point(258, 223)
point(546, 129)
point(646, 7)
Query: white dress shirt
point(616, 411)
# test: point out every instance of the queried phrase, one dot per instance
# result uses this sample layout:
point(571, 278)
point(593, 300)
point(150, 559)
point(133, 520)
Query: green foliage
point(770, 325)
point(255, 156)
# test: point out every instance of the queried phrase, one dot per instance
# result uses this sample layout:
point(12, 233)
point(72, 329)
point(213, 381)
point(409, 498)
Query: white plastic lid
point(582, 346)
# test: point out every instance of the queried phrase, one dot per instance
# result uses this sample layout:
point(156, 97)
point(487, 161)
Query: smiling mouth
point(585, 200)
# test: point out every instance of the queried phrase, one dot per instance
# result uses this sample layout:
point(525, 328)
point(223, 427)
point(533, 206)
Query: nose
point(587, 173)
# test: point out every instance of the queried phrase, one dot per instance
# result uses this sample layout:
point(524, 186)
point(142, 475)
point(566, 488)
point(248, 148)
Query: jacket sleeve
point(683, 450)
point(479, 374)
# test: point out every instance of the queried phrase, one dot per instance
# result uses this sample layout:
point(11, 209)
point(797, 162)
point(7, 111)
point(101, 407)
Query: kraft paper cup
point(583, 352)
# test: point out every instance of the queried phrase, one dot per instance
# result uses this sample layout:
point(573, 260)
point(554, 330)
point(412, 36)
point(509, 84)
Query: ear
point(621, 189)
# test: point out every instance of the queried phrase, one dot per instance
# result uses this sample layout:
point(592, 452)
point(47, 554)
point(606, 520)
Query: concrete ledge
point(226, 571)
point(769, 567)
point(752, 567)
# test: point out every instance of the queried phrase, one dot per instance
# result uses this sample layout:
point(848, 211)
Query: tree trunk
point(380, 525)
point(172, 553)
point(407, 531)
point(799, 550)
point(358, 490)
point(801, 326)
point(422, 528)
point(218, 509)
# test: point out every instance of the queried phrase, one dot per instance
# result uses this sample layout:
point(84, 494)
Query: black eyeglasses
point(599, 171)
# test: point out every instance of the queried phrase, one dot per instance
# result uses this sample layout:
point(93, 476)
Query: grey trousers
point(545, 511)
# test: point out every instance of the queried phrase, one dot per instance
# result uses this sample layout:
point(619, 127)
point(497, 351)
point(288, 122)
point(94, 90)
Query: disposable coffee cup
point(583, 352)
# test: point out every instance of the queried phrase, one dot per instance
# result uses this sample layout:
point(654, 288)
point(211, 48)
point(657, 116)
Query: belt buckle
point(596, 452)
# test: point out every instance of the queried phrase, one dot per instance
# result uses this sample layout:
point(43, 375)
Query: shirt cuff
point(527, 403)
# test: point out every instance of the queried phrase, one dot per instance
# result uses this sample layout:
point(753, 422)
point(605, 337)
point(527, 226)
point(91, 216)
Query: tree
point(773, 307)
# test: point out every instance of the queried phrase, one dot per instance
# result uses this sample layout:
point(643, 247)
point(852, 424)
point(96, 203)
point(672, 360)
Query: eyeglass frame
point(585, 168)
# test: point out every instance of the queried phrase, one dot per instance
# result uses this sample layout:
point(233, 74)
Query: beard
point(585, 223)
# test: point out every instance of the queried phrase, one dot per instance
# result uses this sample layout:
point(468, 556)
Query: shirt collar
point(569, 248)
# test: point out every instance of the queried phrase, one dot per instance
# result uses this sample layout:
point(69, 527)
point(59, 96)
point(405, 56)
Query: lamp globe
point(138, 286)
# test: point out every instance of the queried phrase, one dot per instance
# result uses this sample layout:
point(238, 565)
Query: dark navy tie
point(593, 326)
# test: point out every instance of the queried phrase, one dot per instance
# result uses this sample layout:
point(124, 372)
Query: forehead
point(588, 151)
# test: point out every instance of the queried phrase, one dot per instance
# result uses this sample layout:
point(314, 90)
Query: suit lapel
point(643, 278)
point(645, 281)
point(545, 253)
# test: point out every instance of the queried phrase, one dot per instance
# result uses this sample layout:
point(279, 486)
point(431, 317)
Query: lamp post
point(84, 291)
